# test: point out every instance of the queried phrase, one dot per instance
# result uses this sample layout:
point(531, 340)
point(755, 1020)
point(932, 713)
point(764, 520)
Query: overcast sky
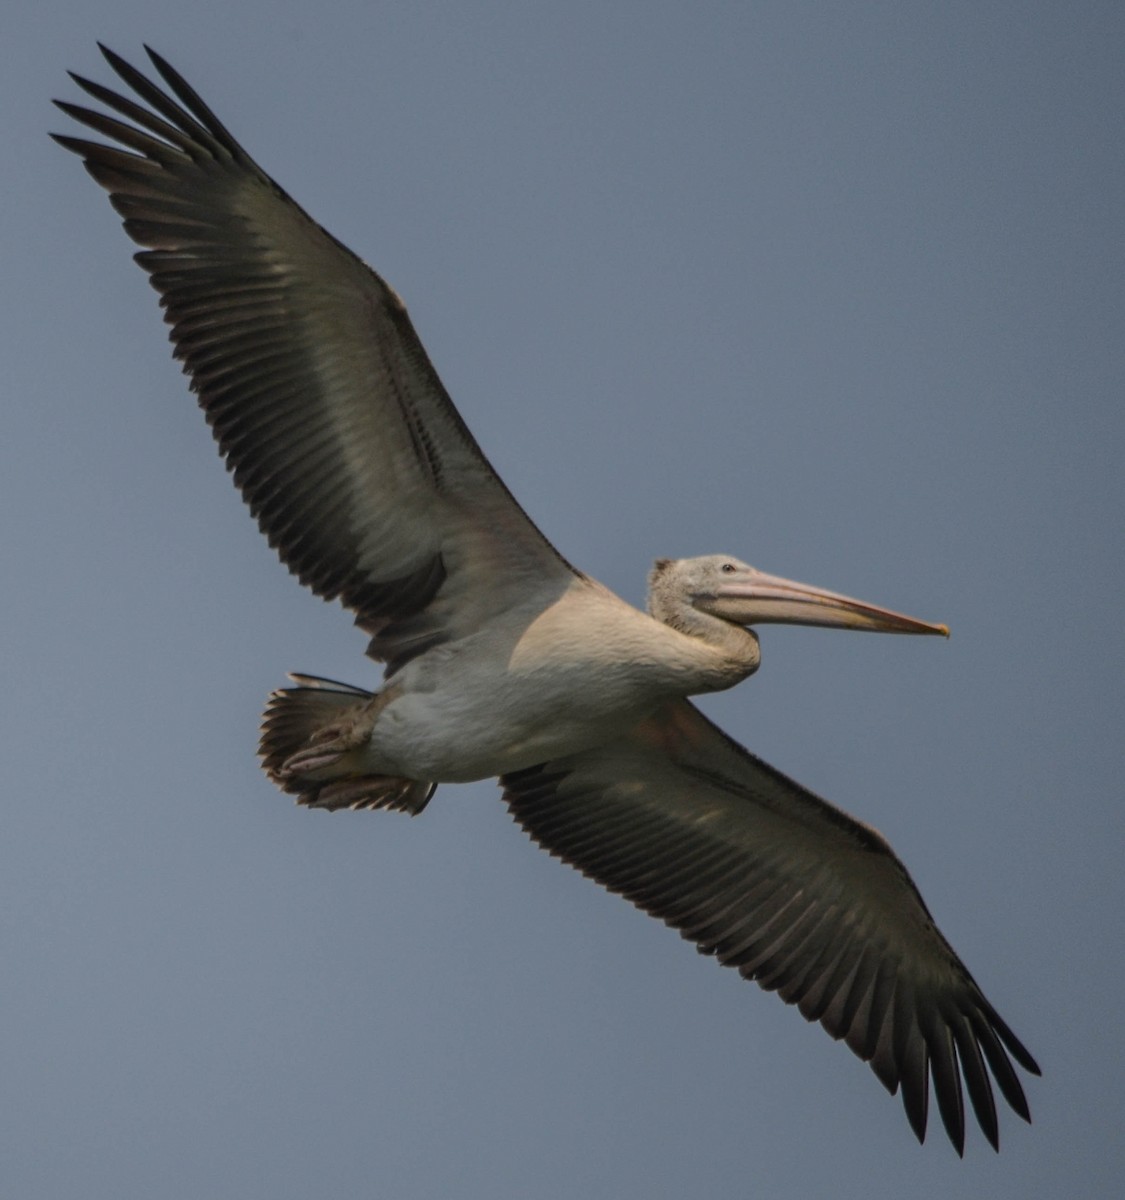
point(836, 288)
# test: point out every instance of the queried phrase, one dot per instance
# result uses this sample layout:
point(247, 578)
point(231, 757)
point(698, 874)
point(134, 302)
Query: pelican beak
point(754, 598)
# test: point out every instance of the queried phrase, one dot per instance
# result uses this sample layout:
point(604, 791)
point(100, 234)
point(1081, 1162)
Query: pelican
point(500, 658)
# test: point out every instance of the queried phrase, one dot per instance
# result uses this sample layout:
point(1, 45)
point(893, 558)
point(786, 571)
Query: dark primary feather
point(324, 403)
point(791, 892)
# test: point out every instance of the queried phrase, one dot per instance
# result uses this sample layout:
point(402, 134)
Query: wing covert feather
point(790, 891)
point(333, 421)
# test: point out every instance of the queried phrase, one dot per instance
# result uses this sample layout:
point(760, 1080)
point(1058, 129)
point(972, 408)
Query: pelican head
point(725, 587)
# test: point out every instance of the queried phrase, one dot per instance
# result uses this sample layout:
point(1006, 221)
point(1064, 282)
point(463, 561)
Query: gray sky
point(834, 288)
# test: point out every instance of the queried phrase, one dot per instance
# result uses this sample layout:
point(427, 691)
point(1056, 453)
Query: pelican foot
point(312, 759)
point(326, 746)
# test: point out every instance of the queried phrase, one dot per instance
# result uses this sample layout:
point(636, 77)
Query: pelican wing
point(795, 894)
point(341, 438)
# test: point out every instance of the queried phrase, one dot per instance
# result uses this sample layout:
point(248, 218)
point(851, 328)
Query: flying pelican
point(500, 658)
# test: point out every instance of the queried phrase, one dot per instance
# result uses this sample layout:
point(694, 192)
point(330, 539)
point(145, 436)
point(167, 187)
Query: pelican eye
point(728, 568)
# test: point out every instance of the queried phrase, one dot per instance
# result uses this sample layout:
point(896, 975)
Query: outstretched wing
point(341, 438)
point(795, 894)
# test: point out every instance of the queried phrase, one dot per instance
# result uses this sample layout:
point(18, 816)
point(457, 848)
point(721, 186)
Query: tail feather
point(294, 718)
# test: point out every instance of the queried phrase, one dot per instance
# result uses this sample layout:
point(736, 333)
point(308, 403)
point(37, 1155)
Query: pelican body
point(500, 658)
point(561, 673)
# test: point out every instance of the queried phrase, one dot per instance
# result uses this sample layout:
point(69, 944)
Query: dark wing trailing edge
point(339, 433)
point(795, 894)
